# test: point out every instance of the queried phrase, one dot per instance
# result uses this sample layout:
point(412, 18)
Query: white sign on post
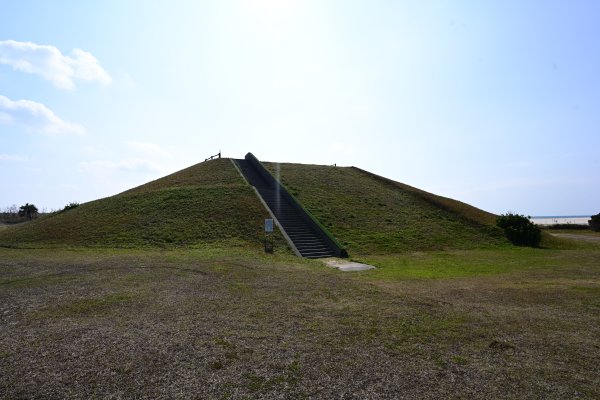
point(268, 225)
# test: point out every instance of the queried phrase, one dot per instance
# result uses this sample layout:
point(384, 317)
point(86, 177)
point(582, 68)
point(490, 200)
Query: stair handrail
point(329, 238)
point(218, 155)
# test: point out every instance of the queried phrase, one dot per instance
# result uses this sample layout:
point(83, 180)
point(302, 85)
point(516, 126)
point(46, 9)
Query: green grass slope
point(370, 214)
point(210, 202)
point(207, 202)
point(217, 173)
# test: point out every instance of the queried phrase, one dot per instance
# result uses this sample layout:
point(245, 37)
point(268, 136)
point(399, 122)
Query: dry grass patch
point(227, 323)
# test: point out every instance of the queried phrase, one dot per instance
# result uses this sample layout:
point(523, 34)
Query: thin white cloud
point(34, 116)
point(147, 148)
point(12, 157)
point(49, 63)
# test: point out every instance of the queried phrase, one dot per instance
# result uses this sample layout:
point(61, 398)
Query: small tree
point(595, 223)
point(28, 210)
point(519, 229)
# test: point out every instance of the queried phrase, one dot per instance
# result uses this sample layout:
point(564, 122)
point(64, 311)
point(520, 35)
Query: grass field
point(216, 322)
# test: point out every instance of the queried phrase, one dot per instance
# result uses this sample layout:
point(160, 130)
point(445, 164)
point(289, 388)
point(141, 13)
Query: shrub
point(595, 223)
point(519, 229)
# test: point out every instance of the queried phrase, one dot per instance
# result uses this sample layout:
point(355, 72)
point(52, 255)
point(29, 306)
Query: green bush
point(595, 223)
point(519, 229)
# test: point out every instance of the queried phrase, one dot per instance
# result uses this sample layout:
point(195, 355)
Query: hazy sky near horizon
point(496, 104)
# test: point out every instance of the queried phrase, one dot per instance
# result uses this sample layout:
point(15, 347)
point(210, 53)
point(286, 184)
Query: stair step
point(310, 250)
point(307, 247)
point(317, 255)
point(310, 243)
point(313, 247)
point(315, 251)
point(298, 230)
point(302, 236)
point(288, 220)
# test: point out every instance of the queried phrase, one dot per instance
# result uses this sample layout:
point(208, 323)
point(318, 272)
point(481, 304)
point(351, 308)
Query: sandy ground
point(564, 220)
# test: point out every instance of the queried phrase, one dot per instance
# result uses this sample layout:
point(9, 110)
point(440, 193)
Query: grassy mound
point(210, 202)
point(207, 202)
point(370, 214)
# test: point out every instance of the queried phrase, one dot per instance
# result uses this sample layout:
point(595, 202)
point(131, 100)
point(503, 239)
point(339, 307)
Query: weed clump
point(519, 229)
point(72, 205)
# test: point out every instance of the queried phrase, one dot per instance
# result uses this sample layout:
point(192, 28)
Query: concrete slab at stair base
point(348, 266)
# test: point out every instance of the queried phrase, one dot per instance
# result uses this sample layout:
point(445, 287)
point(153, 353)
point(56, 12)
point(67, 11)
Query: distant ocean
point(561, 219)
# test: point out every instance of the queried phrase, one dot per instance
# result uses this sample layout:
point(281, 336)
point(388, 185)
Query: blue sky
point(496, 104)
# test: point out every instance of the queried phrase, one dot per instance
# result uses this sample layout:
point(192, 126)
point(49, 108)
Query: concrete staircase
point(303, 233)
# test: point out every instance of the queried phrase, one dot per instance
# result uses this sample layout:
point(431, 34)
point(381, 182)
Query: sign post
point(268, 235)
